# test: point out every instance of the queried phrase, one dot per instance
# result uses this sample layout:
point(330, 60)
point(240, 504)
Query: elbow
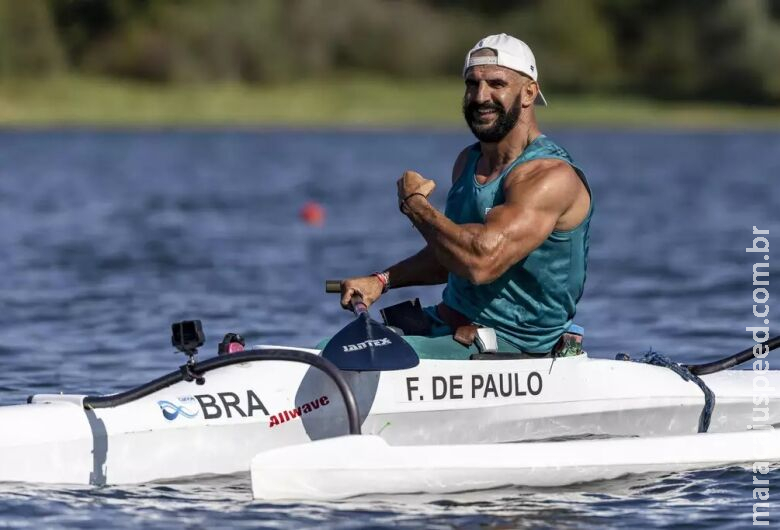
point(483, 266)
point(479, 278)
point(482, 273)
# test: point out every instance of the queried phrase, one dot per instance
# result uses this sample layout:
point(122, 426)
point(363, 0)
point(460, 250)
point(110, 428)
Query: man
point(512, 243)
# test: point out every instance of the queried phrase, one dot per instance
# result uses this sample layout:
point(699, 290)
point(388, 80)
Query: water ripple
point(109, 237)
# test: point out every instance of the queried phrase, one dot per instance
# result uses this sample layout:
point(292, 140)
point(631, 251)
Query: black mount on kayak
point(187, 336)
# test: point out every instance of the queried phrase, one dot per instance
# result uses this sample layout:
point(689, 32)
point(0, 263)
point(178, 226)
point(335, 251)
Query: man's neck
point(498, 155)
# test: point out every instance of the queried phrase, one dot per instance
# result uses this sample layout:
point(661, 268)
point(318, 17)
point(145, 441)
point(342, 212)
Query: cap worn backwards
point(510, 53)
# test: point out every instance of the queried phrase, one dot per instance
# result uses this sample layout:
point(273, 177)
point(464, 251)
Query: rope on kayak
point(656, 359)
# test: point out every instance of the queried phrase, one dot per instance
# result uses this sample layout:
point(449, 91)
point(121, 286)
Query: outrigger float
point(413, 425)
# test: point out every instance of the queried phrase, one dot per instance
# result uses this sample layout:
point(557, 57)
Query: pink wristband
point(384, 279)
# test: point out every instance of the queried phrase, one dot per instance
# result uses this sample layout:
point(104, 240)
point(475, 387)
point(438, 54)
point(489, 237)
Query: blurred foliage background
point(662, 50)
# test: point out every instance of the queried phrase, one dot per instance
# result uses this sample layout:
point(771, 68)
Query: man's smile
point(485, 114)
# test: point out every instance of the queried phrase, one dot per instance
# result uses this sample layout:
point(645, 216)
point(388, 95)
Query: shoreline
point(352, 103)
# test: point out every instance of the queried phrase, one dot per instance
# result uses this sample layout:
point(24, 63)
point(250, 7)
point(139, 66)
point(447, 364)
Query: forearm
point(422, 268)
point(460, 249)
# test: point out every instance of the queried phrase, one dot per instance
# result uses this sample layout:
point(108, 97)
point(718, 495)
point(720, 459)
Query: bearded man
point(512, 243)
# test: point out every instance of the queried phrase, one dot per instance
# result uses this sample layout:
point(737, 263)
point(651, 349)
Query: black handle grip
point(332, 286)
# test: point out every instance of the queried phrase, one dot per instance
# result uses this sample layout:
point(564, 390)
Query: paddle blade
point(367, 345)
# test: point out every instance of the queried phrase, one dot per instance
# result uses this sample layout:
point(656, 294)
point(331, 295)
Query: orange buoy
point(312, 213)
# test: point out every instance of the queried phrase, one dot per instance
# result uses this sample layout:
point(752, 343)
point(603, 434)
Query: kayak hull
point(349, 466)
point(186, 429)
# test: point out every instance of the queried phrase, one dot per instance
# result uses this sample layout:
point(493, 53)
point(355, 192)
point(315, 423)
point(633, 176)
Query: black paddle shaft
point(734, 360)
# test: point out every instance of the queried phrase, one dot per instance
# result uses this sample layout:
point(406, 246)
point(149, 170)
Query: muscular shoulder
point(552, 185)
point(552, 174)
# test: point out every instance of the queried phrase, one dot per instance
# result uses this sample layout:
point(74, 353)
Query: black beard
point(505, 121)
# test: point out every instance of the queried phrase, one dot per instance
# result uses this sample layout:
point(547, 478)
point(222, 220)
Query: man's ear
point(530, 91)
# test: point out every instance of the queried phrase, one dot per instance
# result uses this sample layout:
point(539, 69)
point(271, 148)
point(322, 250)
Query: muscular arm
point(424, 268)
point(481, 253)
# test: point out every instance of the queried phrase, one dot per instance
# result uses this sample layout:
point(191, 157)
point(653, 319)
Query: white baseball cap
point(511, 53)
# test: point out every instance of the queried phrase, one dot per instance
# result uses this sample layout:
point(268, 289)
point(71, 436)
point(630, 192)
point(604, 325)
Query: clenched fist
point(412, 182)
point(369, 287)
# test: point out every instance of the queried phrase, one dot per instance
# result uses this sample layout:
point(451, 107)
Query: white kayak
point(349, 466)
point(172, 428)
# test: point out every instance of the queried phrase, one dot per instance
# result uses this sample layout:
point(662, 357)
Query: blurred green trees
point(698, 49)
point(29, 43)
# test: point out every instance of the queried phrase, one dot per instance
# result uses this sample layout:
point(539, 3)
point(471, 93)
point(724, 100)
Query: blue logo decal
point(171, 411)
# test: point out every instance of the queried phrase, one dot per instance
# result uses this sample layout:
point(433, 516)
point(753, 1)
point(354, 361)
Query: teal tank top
point(534, 301)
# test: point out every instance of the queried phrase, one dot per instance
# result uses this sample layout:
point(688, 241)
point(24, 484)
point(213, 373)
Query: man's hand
point(369, 287)
point(412, 182)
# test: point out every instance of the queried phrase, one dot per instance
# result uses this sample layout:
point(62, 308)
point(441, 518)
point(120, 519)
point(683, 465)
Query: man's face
point(492, 102)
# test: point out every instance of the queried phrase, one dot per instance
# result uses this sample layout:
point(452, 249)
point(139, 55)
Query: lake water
point(108, 237)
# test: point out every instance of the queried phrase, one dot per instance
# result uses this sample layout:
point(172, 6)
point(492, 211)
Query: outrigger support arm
point(199, 369)
point(734, 360)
